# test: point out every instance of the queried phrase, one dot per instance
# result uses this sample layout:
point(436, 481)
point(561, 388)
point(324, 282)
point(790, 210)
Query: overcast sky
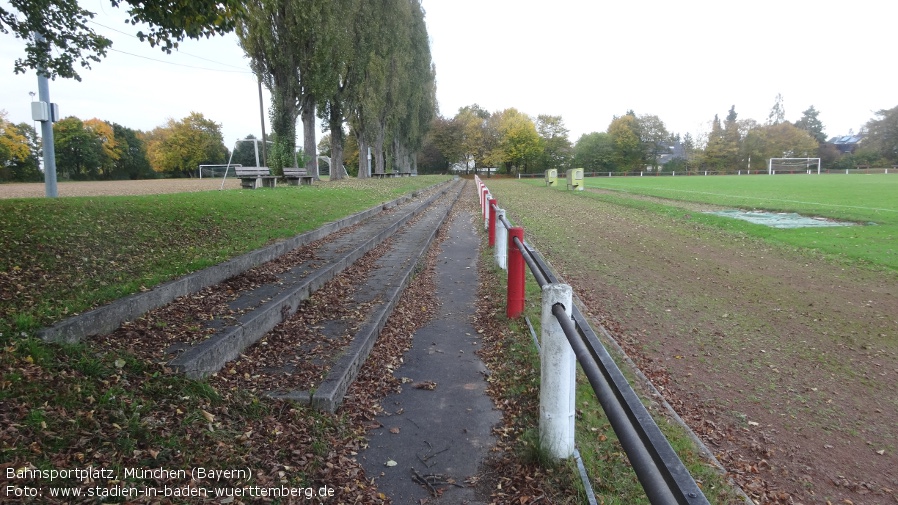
point(585, 61)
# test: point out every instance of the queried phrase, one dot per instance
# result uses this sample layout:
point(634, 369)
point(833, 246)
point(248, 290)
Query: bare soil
point(112, 188)
point(785, 364)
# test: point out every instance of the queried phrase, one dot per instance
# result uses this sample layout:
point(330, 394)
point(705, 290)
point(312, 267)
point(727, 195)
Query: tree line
point(364, 70)
point(94, 149)
point(513, 142)
point(355, 63)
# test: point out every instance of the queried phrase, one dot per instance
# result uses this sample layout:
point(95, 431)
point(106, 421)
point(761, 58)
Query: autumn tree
point(70, 41)
point(556, 147)
point(104, 134)
point(624, 133)
point(782, 140)
point(13, 145)
point(653, 137)
point(79, 152)
point(180, 147)
point(518, 142)
point(476, 138)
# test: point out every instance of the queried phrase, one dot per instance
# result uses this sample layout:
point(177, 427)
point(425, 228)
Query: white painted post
point(558, 377)
point(486, 210)
point(501, 240)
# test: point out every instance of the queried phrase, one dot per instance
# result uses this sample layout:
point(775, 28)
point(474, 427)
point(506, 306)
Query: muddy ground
point(785, 364)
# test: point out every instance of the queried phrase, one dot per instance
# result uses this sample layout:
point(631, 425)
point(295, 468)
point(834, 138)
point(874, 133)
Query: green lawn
point(869, 200)
point(65, 255)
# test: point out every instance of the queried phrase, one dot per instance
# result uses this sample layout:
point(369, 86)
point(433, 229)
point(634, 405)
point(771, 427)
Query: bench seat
point(298, 176)
point(255, 177)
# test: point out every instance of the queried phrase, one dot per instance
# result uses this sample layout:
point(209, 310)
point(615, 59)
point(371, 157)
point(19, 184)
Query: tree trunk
point(309, 146)
point(364, 166)
point(379, 167)
point(336, 127)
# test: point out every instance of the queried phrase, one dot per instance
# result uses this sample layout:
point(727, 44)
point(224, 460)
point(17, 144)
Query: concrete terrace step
point(379, 293)
point(267, 305)
point(107, 318)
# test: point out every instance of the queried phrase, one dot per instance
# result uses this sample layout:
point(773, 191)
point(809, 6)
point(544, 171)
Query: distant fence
point(691, 173)
point(566, 337)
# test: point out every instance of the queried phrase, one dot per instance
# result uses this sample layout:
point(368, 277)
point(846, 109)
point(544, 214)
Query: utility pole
point(46, 119)
point(264, 139)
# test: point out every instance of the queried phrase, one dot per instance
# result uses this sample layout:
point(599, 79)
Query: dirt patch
point(784, 364)
point(693, 206)
point(113, 188)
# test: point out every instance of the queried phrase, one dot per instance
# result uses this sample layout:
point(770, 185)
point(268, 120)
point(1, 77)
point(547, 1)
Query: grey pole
point(264, 138)
point(43, 89)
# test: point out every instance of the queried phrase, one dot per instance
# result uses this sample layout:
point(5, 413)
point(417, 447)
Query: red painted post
point(491, 204)
point(516, 272)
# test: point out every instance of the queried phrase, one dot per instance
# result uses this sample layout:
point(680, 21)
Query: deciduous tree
point(594, 152)
point(69, 41)
point(556, 146)
point(13, 145)
point(180, 147)
point(624, 133)
point(882, 134)
point(79, 153)
point(653, 136)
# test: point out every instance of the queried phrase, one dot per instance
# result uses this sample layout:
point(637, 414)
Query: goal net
point(213, 171)
point(793, 166)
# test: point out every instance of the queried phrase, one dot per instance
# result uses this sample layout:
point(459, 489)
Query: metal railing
point(657, 466)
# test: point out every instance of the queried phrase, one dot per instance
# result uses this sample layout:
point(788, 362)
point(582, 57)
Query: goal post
point(793, 166)
point(213, 171)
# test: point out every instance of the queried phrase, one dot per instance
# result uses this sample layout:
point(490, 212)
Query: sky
point(583, 60)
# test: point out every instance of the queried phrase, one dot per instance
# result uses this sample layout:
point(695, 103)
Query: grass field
point(869, 200)
point(779, 347)
point(65, 255)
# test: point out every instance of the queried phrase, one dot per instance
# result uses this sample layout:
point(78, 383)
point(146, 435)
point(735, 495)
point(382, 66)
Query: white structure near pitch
point(791, 165)
point(558, 376)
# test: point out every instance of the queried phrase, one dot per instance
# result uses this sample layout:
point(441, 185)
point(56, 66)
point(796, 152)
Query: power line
point(243, 69)
point(181, 64)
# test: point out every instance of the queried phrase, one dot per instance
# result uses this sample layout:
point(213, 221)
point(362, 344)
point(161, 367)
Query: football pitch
point(868, 200)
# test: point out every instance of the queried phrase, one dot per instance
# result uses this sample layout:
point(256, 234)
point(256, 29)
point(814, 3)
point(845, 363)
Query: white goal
point(793, 166)
point(213, 171)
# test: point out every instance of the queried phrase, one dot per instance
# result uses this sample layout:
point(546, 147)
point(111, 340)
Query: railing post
point(516, 272)
point(558, 368)
point(501, 240)
point(483, 200)
point(491, 209)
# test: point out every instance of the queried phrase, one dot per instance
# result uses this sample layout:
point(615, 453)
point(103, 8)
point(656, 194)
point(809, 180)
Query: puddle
point(781, 219)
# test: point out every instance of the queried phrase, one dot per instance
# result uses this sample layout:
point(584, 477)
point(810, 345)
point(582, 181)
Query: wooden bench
point(298, 176)
point(255, 177)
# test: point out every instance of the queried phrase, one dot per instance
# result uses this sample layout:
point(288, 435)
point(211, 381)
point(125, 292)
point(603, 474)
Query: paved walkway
point(445, 431)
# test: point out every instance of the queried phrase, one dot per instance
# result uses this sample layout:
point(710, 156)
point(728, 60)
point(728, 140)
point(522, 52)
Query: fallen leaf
point(394, 431)
point(391, 463)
